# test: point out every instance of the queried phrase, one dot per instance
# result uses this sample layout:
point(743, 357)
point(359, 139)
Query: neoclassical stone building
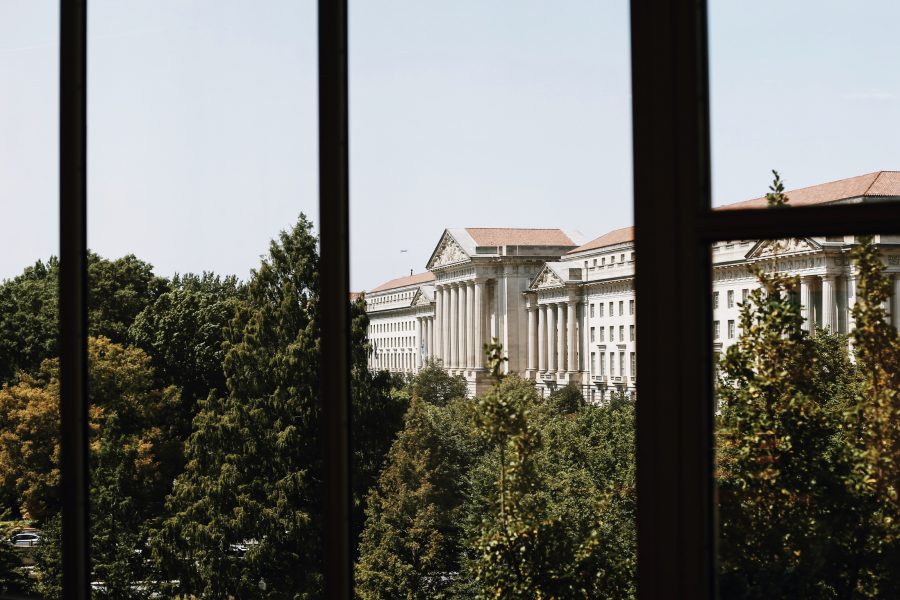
point(565, 311)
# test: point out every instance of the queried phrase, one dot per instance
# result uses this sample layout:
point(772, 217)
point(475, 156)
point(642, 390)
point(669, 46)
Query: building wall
point(605, 281)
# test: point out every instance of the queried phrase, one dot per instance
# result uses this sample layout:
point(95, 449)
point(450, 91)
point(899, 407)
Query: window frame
point(674, 227)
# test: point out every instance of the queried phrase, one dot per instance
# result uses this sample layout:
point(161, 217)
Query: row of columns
point(832, 284)
point(552, 343)
point(460, 310)
point(424, 339)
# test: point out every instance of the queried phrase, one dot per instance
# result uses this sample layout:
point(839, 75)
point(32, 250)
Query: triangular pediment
point(546, 278)
point(448, 252)
point(421, 297)
point(771, 248)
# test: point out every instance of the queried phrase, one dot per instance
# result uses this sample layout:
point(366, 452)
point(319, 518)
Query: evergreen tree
point(246, 513)
point(411, 542)
point(377, 415)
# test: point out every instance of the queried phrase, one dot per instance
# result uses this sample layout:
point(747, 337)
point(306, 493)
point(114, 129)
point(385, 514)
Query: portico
point(553, 303)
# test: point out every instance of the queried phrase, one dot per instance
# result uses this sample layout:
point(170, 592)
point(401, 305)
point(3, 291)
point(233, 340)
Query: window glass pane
point(206, 461)
point(29, 308)
point(790, 90)
point(806, 419)
point(490, 193)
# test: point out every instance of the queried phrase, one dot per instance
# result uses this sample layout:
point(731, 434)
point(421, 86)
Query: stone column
point(542, 337)
point(452, 360)
point(571, 320)
point(806, 302)
point(561, 336)
point(829, 303)
point(470, 325)
point(418, 340)
point(445, 329)
point(479, 302)
point(851, 301)
point(551, 337)
point(462, 329)
point(429, 340)
point(531, 346)
point(439, 318)
point(895, 312)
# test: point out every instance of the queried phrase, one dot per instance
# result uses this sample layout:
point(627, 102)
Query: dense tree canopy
point(29, 307)
point(206, 463)
point(806, 467)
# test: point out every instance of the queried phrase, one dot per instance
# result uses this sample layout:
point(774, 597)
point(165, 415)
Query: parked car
point(26, 539)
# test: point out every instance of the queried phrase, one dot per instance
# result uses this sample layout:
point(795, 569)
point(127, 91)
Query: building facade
point(565, 313)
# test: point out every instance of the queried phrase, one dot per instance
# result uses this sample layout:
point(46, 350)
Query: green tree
point(131, 459)
point(435, 385)
point(567, 399)
point(118, 290)
point(184, 329)
point(877, 439)
point(377, 415)
point(792, 503)
point(411, 542)
point(245, 514)
point(29, 308)
point(29, 318)
point(521, 550)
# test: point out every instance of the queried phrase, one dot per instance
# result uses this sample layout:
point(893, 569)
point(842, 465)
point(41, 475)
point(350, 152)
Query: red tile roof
point(404, 281)
point(879, 183)
point(616, 236)
point(354, 296)
point(484, 236)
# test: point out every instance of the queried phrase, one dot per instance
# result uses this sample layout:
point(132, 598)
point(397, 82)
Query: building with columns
point(565, 313)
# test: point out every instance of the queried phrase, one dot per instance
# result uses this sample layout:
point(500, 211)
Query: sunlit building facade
point(565, 311)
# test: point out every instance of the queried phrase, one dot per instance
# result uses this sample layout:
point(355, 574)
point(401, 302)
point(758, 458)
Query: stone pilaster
point(561, 336)
point(571, 321)
point(829, 303)
point(551, 337)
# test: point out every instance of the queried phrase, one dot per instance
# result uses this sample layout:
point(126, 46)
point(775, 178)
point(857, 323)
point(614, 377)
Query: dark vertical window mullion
point(73, 298)
point(334, 296)
point(671, 193)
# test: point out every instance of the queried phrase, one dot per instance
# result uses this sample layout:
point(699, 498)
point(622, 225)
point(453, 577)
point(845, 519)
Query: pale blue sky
point(202, 133)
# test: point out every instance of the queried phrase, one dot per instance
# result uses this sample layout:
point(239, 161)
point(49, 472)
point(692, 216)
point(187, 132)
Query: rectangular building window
point(594, 362)
point(602, 332)
point(612, 309)
point(621, 333)
point(730, 298)
point(715, 330)
point(612, 333)
point(731, 329)
point(631, 333)
point(622, 364)
point(600, 307)
point(631, 307)
point(715, 299)
point(602, 364)
point(592, 311)
point(744, 294)
point(612, 364)
point(592, 334)
point(633, 365)
point(621, 307)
